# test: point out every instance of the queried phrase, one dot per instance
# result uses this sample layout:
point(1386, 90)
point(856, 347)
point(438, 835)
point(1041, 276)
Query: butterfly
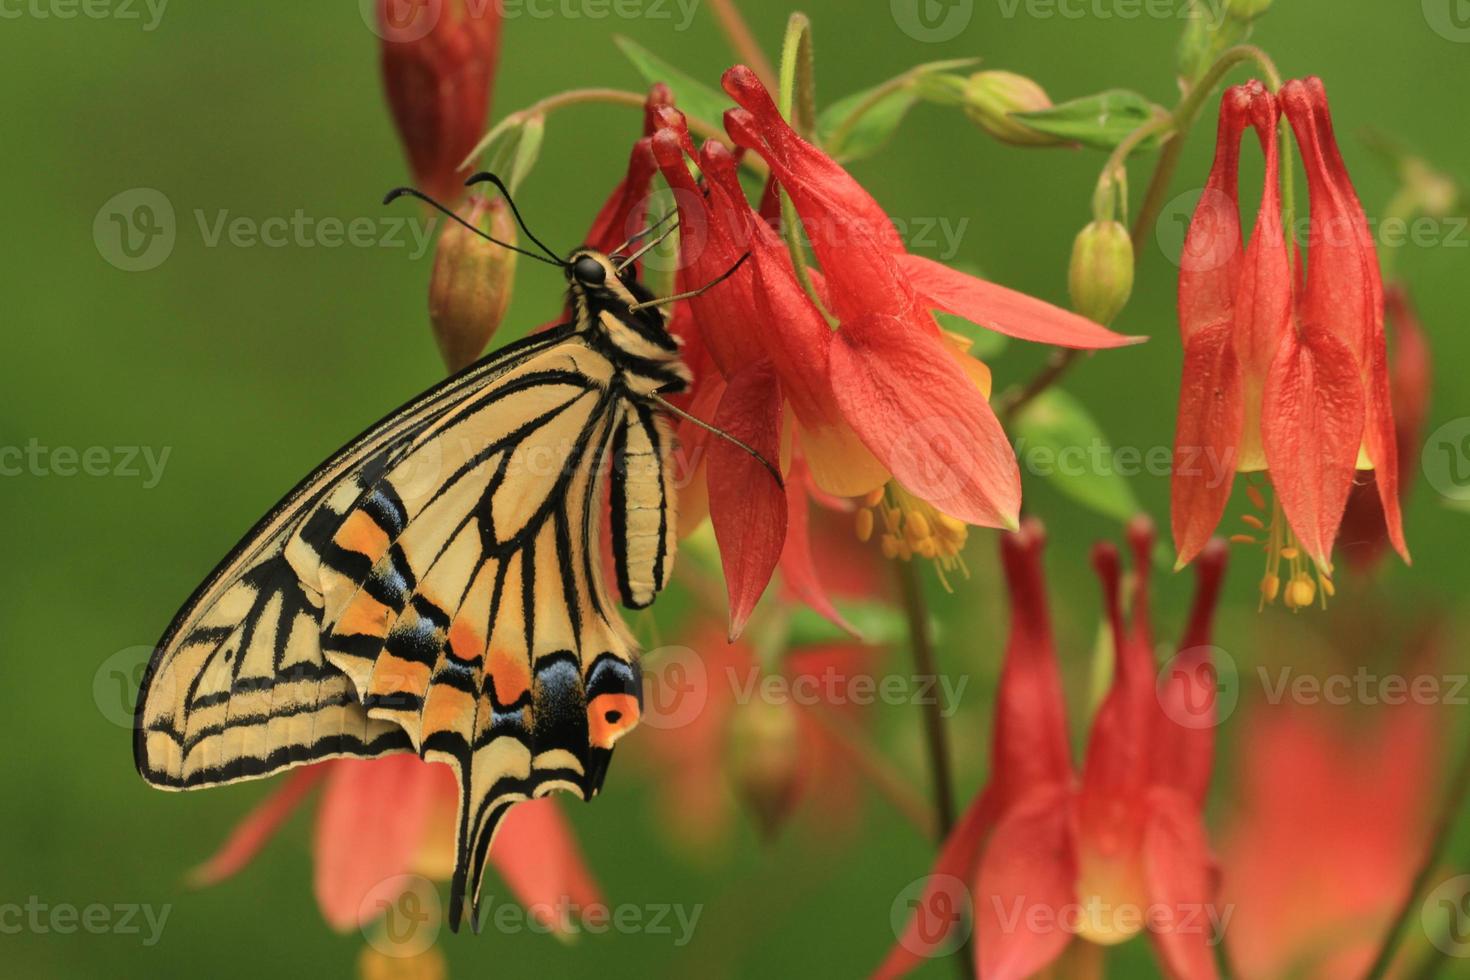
point(436, 586)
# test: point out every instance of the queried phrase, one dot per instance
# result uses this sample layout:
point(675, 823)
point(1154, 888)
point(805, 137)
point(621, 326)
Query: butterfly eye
point(589, 271)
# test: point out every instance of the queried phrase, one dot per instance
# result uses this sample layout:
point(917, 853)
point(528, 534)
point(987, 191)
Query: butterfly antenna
point(650, 246)
point(673, 409)
point(398, 192)
point(486, 177)
point(665, 300)
point(646, 231)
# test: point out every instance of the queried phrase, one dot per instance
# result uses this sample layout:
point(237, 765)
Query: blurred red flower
point(382, 818)
point(1046, 851)
point(438, 63)
point(1331, 822)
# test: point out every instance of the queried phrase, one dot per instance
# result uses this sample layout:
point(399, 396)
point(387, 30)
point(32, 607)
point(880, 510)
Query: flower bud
point(470, 288)
point(764, 761)
point(991, 97)
point(1101, 276)
point(438, 63)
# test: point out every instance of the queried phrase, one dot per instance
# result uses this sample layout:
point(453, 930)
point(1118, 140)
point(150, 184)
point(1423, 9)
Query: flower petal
point(1005, 310)
point(370, 826)
point(958, 859)
point(798, 569)
point(1181, 881)
point(536, 852)
point(1312, 426)
point(258, 826)
point(1184, 746)
point(1027, 880)
point(1031, 746)
point(1207, 438)
point(912, 406)
point(747, 505)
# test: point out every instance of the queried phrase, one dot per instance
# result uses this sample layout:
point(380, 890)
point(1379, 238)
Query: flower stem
point(605, 96)
point(1444, 826)
point(742, 41)
point(1177, 125)
point(916, 610)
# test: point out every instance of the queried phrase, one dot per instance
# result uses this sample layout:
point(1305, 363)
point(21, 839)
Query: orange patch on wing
point(447, 710)
point(609, 717)
point(510, 674)
point(392, 674)
point(361, 533)
point(364, 616)
point(465, 641)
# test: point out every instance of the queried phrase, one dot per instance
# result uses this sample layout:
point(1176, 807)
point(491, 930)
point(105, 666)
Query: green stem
point(1444, 827)
point(1178, 124)
point(605, 96)
point(796, 98)
point(916, 609)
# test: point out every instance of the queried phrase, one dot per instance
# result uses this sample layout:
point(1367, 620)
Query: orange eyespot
point(609, 717)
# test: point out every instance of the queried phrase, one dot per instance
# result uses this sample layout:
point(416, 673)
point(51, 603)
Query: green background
point(252, 363)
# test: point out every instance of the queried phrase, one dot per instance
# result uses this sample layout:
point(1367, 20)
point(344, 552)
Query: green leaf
point(694, 99)
point(1060, 441)
point(848, 135)
point(878, 623)
point(512, 148)
point(1100, 121)
point(527, 151)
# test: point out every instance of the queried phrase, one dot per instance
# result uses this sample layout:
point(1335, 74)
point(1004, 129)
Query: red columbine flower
point(1284, 371)
point(1120, 847)
point(885, 395)
point(439, 63)
point(383, 818)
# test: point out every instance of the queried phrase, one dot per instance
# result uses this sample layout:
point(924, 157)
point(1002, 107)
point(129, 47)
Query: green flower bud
point(764, 762)
point(470, 288)
point(991, 97)
point(1101, 276)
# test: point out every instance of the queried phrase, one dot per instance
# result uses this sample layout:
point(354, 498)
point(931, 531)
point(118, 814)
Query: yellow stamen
point(1254, 492)
point(1289, 574)
point(864, 522)
point(911, 526)
point(1253, 521)
point(1243, 539)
